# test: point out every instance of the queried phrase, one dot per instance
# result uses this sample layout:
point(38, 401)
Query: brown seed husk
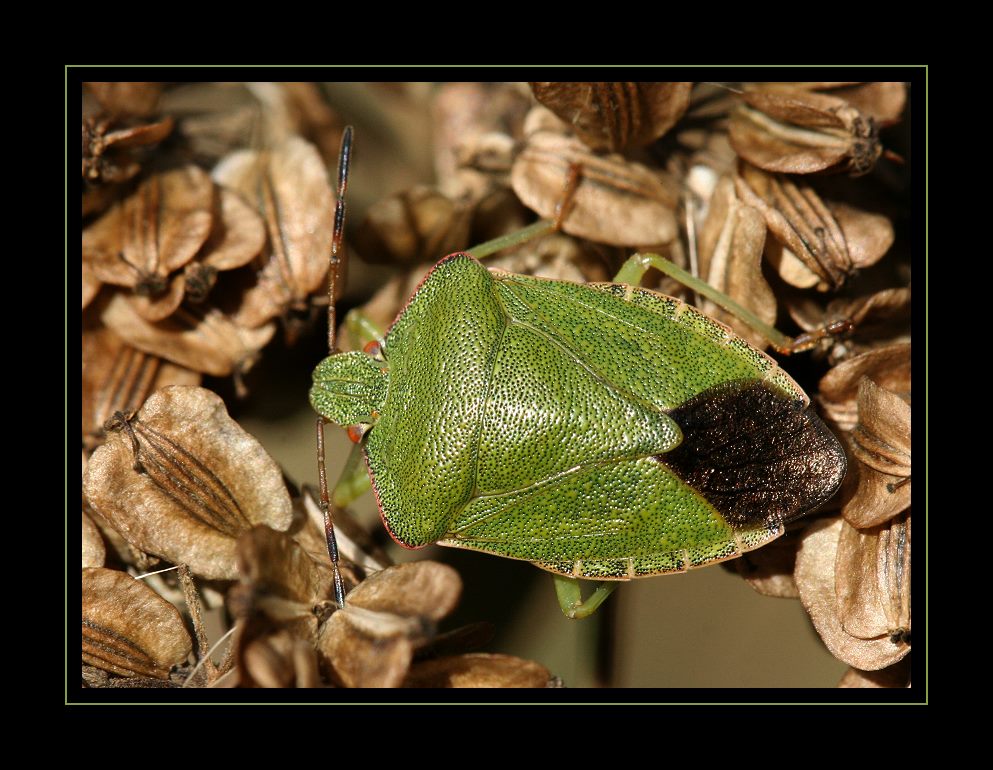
point(153, 232)
point(897, 675)
point(94, 552)
point(882, 101)
point(238, 234)
point(815, 578)
point(881, 444)
point(556, 256)
point(416, 225)
point(139, 99)
point(289, 187)
point(106, 156)
point(731, 244)
point(801, 132)
point(478, 670)
point(425, 589)
point(616, 201)
point(872, 577)
point(91, 285)
point(888, 367)
point(129, 629)
point(831, 239)
point(118, 378)
point(769, 570)
point(209, 342)
point(362, 649)
point(161, 306)
point(280, 660)
point(203, 481)
point(616, 116)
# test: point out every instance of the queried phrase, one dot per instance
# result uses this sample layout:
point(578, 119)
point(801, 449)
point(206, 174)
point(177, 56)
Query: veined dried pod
point(91, 285)
point(279, 660)
point(882, 101)
point(153, 232)
point(616, 201)
point(872, 575)
point(731, 244)
point(118, 378)
point(128, 629)
point(371, 642)
point(831, 240)
point(897, 675)
point(616, 116)
point(556, 256)
point(879, 319)
point(880, 443)
point(413, 226)
point(888, 367)
point(94, 552)
point(290, 189)
point(208, 342)
point(816, 579)
point(478, 669)
point(130, 98)
point(182, 480)
point(802, 132)
point(106, 159)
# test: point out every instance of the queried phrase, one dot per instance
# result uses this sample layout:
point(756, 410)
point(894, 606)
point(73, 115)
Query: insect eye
point(373, 349)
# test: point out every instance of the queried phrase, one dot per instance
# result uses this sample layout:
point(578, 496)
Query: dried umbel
point(180, 479)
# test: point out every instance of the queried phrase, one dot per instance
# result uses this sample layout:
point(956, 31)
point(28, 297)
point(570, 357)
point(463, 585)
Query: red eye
point(373, 349)
point(355, 433)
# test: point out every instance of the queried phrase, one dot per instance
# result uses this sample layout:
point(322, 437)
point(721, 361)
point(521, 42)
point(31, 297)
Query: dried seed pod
point(881, 445)
point(872, 578)
point(616, 201)
point(423, 589)
point(731, 244)
point(208, 342)
point(415, 225)
point(153, 232)
point(882, 101)
point(816, 579)
point(91, 285)
point(769, 570)
point(139, 99)
point(888, 367)
point(556, 256)
point(879, 319)
point(831, 240)
point(897, 675)
point(801, 132)
point(182, 480)
point(118, 378)
point(94, 553)
point(478, 670)
point(290, 189)
point(129, 629)
point(280, 660)
point(106, 156)
point(616, 116)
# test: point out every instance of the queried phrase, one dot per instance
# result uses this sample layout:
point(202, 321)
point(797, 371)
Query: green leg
point(361, 330)
point(634, 270)
point(570, 596)
point(353, 481)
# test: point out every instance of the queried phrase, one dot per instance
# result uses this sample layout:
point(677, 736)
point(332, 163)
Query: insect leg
point(571, 600)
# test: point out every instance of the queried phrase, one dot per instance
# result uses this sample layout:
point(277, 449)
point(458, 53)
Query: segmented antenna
point(337, 239)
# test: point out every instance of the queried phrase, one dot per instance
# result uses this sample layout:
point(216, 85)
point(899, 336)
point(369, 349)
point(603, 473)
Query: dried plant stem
point(193, 605)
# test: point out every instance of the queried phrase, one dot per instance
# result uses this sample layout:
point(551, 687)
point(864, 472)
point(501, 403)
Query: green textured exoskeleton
point(600, 431)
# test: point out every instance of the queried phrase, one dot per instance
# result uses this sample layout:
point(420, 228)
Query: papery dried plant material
point(129, 629)
point(872, 579)
point(731, 244)
point(897, 675)
point(106, 156)
point(367, 649)
point(616, 116)
point(831, 240)
point(616, 201)
point(888, 367)
point(281, 660)
point(815, 578)
point(801, 132)
point(371, 642)
point(91, 285)
point(118, 378)
point(138, 99)
point(416, 225)
point(182, 480)
point(878, 319)
point(881, 444)
point(769, 570)
point(556, 256)
point(205, 341)
point(153, 232)
point(882, 101)
point(94, 553)
point(289, 187)
point(478, 670)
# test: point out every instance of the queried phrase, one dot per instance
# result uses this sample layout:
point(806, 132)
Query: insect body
point(599, 431)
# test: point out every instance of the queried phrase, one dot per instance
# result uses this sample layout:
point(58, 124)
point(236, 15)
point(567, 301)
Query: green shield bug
point(600, 431)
